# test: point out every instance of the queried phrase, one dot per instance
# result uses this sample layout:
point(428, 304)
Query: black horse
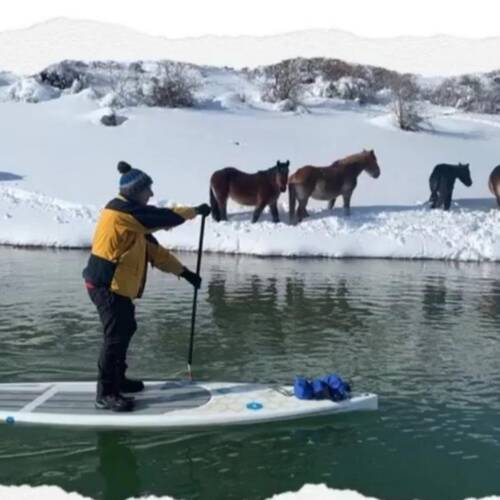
point(442, 182)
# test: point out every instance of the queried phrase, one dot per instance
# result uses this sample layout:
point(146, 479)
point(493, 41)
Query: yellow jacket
point(123, 246)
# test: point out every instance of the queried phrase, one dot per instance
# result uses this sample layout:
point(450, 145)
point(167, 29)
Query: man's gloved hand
point(193, 278)
point(203, 209)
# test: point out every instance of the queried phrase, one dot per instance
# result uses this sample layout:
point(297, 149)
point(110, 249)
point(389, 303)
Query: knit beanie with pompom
point(132, 180)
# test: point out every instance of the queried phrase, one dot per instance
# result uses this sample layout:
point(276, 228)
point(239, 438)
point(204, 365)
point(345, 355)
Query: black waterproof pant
point(117, 314)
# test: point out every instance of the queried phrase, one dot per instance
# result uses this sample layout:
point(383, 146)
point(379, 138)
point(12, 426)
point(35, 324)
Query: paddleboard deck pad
point(166, 405)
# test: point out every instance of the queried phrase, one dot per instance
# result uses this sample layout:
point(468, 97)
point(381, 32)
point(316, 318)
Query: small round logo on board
point(255, 405)
point(10, 420)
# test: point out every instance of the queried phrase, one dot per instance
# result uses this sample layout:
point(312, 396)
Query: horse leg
point(214, 205)
point(347, 203)
point(292, 199)
point(301, 210)
point(434, 199)
point(447, 199)
point(257, 212)
point(303, 192)
point(274, 211)
point(219, 193)
point(223, 210)
point(434, 185)
point(331, 203)
point(446, 192)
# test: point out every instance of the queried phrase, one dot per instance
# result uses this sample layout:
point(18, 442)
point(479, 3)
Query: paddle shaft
point(195, 298)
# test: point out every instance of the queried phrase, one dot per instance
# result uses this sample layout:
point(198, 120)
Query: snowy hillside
point(30, 50)
point(58, 166)
point(287, 84)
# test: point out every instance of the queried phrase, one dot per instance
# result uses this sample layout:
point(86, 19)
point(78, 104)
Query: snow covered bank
point(371, 232)
point(307, 492)
point(58, 167)
point(320, 492)
point(466, 234)
point(33, 219)
point(26, 492)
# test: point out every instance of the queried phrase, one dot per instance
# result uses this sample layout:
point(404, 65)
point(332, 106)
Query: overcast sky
point(179, 18)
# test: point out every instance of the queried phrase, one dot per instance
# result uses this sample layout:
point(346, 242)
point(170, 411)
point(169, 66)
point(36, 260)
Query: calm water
point(423, 335)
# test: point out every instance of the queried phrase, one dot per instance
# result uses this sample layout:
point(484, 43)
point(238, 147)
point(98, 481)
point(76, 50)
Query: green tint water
point(423, 335)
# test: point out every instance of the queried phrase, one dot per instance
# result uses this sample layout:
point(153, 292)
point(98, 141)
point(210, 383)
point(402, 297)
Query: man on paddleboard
point(122, 247)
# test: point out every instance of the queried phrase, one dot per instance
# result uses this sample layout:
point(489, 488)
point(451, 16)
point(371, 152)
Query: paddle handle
point(195, 299)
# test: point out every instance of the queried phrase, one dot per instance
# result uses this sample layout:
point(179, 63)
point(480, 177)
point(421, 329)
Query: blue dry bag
point(302, 388)
point(339, 389)
point(328, 387)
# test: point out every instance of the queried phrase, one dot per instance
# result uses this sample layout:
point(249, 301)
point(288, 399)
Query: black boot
point(114, 402)
point(130, 385)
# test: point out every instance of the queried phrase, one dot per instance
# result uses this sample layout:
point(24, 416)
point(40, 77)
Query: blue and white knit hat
point(133, 180)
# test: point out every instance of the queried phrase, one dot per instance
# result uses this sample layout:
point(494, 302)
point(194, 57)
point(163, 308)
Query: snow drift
point(307, 492)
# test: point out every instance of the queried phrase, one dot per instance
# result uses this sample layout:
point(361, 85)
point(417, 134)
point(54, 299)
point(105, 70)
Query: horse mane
point(351, 159)
point(269, 170)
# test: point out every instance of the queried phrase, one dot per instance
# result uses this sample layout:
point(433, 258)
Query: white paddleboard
point(166, 405)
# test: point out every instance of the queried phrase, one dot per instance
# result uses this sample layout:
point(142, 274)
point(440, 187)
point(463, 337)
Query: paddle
point(195, 298)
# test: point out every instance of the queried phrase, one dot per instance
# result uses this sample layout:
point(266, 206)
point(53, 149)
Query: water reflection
point(489, 302)
point(282, 305)
point(117, 466)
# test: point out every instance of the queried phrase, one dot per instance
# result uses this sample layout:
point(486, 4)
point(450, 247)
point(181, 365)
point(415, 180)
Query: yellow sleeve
point(185, 212)
point(164, 260)
point(148, 219)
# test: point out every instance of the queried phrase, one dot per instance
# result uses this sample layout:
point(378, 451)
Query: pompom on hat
point(132, 180)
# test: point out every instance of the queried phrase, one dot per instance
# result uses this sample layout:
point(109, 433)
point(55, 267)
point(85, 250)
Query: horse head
point(464, 174)
point(281, 178)
point(372, 167)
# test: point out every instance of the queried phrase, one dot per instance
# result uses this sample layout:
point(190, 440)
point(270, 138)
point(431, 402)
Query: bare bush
point(334, 69)
point(407, 115)
point(351, 89)
point(165, 83)
point(64, 75)
point(469, 93)
point(284, 82)
point(291, 79)
point(172, 87)
point(457, 92)
point(405, 107)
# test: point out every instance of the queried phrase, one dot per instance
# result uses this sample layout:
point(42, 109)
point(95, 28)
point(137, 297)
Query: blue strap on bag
point(331, 387)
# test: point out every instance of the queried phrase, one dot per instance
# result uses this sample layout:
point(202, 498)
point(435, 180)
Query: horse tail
point(494, 185)
point(434, 196)
point(434, 187)
point(292, 198)
point(214, 205)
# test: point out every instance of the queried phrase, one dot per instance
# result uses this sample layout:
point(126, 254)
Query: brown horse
point(494, 184)
point(327, 183)
point(259, 190)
